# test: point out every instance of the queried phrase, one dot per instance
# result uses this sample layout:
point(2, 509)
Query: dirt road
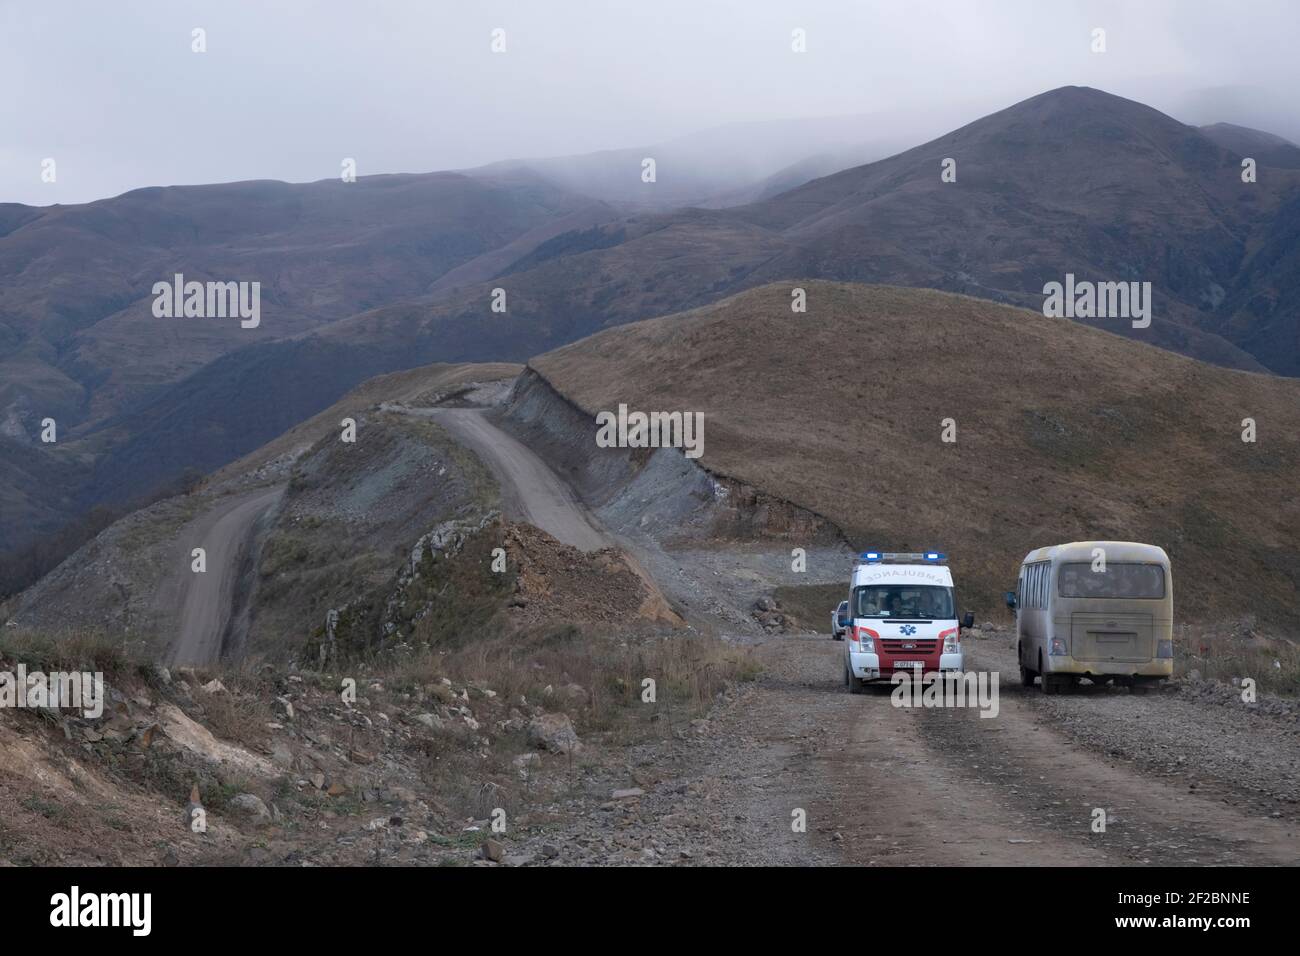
point(1178, 778)
point(882, 785)
point(530, 490)
point(207, 599)
point(1188, 776)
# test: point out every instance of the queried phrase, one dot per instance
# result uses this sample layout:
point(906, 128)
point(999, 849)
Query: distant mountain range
point(1074, 181)
point(395, 271)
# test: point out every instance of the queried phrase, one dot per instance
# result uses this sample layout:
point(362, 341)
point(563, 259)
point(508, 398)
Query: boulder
point(554, 732)
point(572, 695)
point(527, 763)
point(442, 692)
point(251, 807)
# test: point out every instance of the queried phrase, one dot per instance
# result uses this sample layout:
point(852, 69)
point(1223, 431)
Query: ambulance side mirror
point(1011, 600)
point(968, 620)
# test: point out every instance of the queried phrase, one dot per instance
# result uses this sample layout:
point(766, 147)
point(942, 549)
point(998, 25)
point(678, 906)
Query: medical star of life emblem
point(908, 629)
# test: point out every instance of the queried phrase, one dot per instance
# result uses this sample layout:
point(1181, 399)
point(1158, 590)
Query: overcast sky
point(111, 90)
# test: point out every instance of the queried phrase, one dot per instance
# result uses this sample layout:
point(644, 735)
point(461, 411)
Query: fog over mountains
point(394, 271)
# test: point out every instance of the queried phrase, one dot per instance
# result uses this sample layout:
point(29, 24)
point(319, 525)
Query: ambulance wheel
point(852, 683)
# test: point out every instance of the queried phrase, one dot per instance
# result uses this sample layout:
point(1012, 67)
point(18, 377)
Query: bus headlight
point(1058, 648)
point(1165, 649)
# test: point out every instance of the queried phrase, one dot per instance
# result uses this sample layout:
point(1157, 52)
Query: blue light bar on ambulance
point(898, 557)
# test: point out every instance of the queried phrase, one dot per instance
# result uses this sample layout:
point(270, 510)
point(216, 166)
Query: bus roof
point(1114, 551)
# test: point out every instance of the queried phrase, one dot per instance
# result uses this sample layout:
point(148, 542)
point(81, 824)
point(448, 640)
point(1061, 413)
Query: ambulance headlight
point(864, 637)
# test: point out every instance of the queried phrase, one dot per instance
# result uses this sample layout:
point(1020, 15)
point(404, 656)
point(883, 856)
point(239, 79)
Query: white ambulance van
point(902, 616)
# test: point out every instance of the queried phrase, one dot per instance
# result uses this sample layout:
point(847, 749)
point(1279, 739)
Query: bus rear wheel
point(1056, 683)
point(1026, 675)
point(1052, 683)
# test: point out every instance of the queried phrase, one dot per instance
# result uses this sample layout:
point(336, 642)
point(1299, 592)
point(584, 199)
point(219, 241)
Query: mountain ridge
point(1166, 206)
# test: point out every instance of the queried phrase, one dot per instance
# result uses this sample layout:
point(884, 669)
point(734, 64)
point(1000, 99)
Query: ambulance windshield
point(914, 602)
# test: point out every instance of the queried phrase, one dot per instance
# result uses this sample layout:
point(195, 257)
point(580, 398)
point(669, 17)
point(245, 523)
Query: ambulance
point(902, 616)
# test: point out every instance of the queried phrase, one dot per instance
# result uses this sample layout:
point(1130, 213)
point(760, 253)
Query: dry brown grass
point(243, 712)
point(1224, 654)
point(689, 673)
point(1063, 433)
point(810, 605)
point(75, 650)
point(689, 670)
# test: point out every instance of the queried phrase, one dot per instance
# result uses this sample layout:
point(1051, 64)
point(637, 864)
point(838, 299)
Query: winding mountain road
point(208, 599)
point(530, 491)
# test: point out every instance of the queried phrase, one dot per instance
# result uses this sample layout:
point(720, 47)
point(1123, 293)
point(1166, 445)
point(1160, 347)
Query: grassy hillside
point(1063, 432)
point(351, 510)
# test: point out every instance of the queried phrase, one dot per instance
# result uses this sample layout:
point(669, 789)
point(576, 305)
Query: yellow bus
point(1097, 609)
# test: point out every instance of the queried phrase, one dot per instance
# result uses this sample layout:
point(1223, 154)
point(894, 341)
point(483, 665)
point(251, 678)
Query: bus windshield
point(1121, 581)
point(916, 602)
